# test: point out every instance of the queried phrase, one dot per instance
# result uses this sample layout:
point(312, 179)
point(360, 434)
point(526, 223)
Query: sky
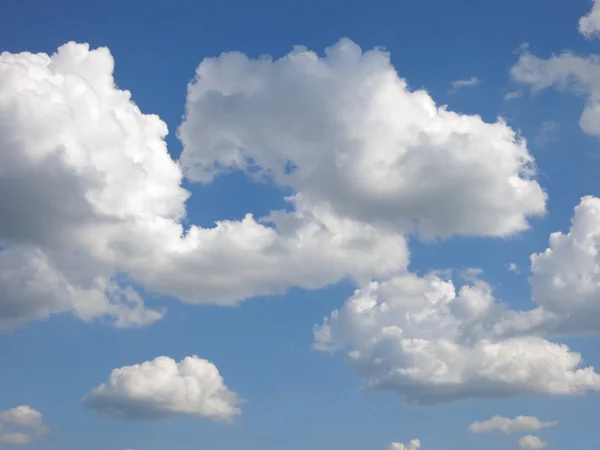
point(299, 225)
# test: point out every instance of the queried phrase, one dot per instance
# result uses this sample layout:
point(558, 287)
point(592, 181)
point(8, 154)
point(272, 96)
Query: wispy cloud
point(459, 84)
point(520, 424)
point(514, 94)
point(522, 48)
point(546, 132)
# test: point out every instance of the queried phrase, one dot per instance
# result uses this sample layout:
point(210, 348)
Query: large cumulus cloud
point(344, 130)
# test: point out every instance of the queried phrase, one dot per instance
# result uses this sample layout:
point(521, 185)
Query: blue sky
point(298, 398)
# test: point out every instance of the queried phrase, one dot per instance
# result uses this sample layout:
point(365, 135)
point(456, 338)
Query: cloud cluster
point(163, 387)
point(565, 282)
point(94, 194)
point(95, 204)
point(91, 193)
point(431, 343)
point(21, 425)
point(520, 424)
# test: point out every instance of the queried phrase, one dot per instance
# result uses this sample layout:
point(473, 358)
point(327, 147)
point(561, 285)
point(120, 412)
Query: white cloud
point(24, 425)
point(565, 282)
point(565, 279)
point(358, 141)
point(531, 442)
point(470, 82)
point(512, 267)
point(589, 25)
point(33, 289)
point(24, 417)
point(431, 343)
point(94, 193)
point(15, 439)
point(82, 167)
point(567, 72)
point(415, 444)
point(162, 387)
point(520, 424)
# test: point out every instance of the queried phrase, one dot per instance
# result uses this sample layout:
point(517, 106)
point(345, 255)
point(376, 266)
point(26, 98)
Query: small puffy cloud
point(431, 343)
point(345, 132)
point(520, 424)
point(415, 444)
point(458, 84)
point(24, 417)
point(21, 425)
point(531, 442)
point(589, 25)
point(163, 387)
point(512, 267)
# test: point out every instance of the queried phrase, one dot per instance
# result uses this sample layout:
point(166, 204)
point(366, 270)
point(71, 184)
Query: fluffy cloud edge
point(531, 442)
point(22, 425)
point(161, 388)
point(589, 25)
